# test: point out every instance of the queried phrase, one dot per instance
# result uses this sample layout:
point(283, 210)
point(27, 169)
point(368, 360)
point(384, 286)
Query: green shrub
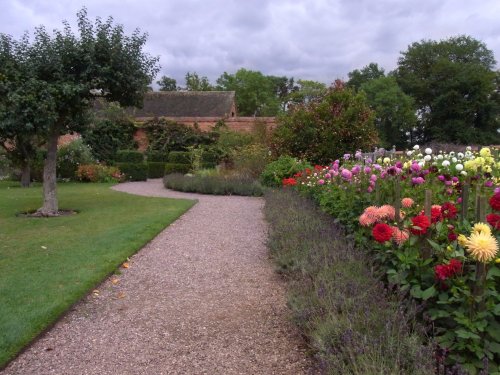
point(129, 156)
point(250, 160)
point(98, 173)
point(179, 157)
point(177, 168)
point(134, 171)
point(210, 156)
point(208, 165)
point(325, 129)
point(70, 156)
point(277, 170)
point(216, 185)
point(157, 156)
point(156, 169)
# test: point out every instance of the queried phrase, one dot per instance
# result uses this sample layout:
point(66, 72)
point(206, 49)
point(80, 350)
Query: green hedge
point(210, 156)
point(177, 168)
point(179, 157)
point(134, 171)
point(129, 156)
point(156, 169)
point(157, 156)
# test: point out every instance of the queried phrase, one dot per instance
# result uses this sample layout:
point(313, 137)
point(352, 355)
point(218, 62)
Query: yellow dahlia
point(481, 228)
point(462, 240)
point(482, 246)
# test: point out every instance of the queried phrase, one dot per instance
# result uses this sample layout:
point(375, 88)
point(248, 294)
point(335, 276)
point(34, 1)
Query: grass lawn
point(46, 265)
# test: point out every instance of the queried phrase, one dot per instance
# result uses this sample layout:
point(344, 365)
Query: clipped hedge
point(157, 156)
point(179, 157)
point(177, 168)
point(156, 169)
point(129, 156)
point(134, 171)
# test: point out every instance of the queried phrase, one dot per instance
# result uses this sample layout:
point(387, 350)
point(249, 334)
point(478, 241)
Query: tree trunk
point(25, 175)
point(50, 204)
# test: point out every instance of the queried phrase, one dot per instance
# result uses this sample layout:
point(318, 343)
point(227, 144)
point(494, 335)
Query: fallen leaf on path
point(126, 265)
point(121, 295)
point(115, 281)
point(95, 292)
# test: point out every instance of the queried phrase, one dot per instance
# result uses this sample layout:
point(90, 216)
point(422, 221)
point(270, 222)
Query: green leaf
point(466, 334)
point(494, 347)
point(416, 291)
point(434, 245)
point(428, 293)
point(493, 272)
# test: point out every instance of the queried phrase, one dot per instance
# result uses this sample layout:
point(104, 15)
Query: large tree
point(21, 104)
point(59, 75)
point(358, 77)
point(453, 84)
point(167, 84)
point(306, 91)
point(256, 94)
point(197, 83)
point(395, 117)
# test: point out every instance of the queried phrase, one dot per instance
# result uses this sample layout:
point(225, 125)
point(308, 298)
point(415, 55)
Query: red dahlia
point(289, 181)
point(495, 202)
point(420, 224)
point(382, 232)
point(448, 210)
point(493, 220)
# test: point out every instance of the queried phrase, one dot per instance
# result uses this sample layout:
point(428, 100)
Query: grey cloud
point(310, 39)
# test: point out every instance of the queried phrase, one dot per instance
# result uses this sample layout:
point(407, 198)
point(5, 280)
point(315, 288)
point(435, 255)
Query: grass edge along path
point(352, 324)
point(47, 265)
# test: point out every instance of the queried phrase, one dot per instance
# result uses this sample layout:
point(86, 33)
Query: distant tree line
point(445, 91)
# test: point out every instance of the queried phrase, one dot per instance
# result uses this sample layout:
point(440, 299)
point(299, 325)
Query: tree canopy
point(256, 94)
point(167, 84)
point(395, 117)
point(367, 73)
point(197, 83)
point(55, 78)
point(453, 84)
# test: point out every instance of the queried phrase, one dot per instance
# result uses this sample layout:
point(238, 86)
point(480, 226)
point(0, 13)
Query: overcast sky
point(310, 39)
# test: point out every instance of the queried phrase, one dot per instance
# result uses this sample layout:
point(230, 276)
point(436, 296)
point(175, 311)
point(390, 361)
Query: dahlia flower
point(407, 202)
point(481, 228)
point(400, 235)
point(382, 232)
point(482, 246)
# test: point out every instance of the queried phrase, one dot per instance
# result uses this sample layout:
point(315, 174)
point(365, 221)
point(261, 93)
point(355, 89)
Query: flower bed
point(431, 223)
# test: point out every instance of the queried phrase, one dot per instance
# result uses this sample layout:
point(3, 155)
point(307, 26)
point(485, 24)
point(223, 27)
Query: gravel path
point(201, 298)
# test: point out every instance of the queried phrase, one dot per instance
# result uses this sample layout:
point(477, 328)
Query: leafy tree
point(306, 91)
point(324, 129)
point(256, 94)
point(196, 83)
point(283, 87)
point(454, 88)
point(167, 84)
point(369, 72)
point(56, 78)
point(395, 116)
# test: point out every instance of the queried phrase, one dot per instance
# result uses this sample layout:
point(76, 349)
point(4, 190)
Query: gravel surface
point(201, 298)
